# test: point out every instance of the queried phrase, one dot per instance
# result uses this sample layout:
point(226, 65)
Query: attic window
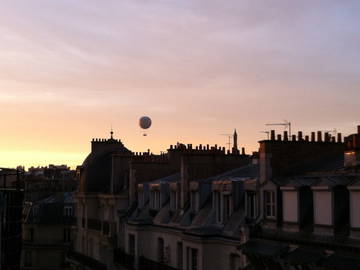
point(68, 211)
point(194, 201)
point(251, 204)
point(173, 200)
point(217, 205)
point(227, 208)
point(141, 198)
point(155, 199)
point(269, 199)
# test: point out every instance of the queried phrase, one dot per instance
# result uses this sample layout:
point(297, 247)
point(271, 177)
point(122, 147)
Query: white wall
point(290, 206)
point(323, 207)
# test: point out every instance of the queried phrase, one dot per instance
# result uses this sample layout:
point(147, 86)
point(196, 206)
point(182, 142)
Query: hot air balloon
point(145, 123)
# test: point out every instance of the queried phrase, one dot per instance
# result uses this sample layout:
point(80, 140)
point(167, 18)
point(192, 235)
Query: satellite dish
point(145, 123)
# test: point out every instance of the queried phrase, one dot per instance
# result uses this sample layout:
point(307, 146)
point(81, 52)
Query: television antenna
point(229, 139)
point(286, 124)
point(267, 133)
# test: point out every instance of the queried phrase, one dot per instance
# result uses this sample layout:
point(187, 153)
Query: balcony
point(85, 260)
point(124, 259)
point(151, 265)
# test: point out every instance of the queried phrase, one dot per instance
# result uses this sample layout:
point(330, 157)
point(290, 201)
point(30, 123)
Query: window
point(131, 244)
point(173, 200)
point(269, 199)
point(68, 211)
point(141, 199)
point(251, 204)
point(179, 255)
point(36, 211)
point(29, 235)
point(155, 199)
point(192, 258)
point(217, 205)
point(194, 201)
point(227, 210)
point(161, 250)
point(67, 235)
point(28, 259)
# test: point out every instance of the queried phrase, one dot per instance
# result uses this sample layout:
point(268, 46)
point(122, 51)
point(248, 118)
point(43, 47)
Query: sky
point(69, 70)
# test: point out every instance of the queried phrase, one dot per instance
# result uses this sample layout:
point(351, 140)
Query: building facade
point(292, 205)
point(11, 205)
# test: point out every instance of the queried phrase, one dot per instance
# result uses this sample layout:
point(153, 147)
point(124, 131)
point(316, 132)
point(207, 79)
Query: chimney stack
point(300, 136)
point(339, 138)
point(313, 136)
point(272, 137)
point(286, 138)
point(319, 136)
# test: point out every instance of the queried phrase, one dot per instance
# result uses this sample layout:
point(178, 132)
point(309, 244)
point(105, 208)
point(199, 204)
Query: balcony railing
point(124, 259)
point(85, 260)
point(146, 264)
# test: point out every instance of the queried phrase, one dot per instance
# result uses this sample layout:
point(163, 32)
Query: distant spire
point(235, 146)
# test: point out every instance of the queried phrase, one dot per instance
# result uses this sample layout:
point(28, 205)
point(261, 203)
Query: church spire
point(235, 146)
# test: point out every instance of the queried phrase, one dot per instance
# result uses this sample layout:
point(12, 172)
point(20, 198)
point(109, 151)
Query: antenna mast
point(286, 124)
point(229, 142)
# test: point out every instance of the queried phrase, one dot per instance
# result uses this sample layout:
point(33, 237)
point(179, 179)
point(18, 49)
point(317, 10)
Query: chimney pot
point(272, 137)
point(313, 136)
point(300, 136)
point(307, 138)
point(286, 138)
point(293, 138)
point(319, 136)
point(279, 137)
point(339, 138)
point(243, 151)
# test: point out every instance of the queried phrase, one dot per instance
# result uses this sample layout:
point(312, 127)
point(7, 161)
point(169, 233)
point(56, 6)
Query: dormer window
point(155, 199)
point(173, 200)
point(251, 204)
point(269, 203)
point(194, 201)
point(68, 211)
point(217, 205)
point(141, 198)
point(227, 208)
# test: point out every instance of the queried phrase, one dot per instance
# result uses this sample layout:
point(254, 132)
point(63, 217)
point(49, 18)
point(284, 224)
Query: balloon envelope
point(145, 122)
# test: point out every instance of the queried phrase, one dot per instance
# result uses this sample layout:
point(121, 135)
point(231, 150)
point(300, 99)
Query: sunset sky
point(199, 68)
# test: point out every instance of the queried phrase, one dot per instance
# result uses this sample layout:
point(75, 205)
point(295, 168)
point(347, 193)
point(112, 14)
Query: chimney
point(286, 138)
point(339, 138)
point(358, 129)
point(293, 138)
point(313, 136)
point(272, 136)
point(243, 151)
point(307, 138)
point(327, 137)
point(319, 136)
point(300, 136)
point(279, 137)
